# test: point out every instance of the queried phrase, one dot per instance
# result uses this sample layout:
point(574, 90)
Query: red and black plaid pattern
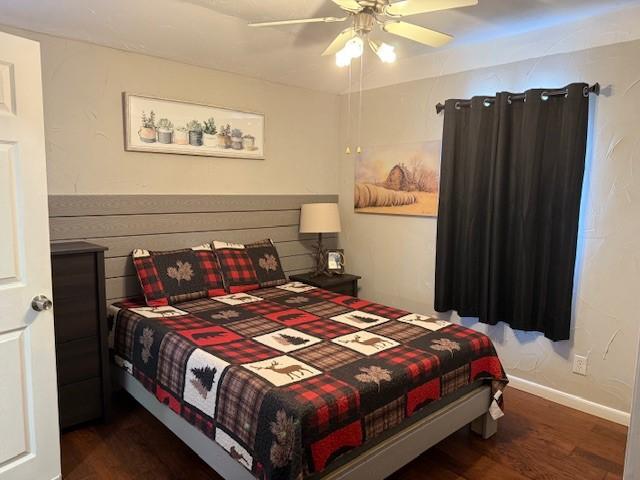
point(419, 365)
point(172, 361)
point(126, 323)
point(401, 332)
point(326, 328)
point(269, 293)
point(183, 322)
point(160, 287)
point(131, 303)
point(330, 412)
point(147, 382)
point(292, 317)
point(327, 356)
point(239, 400)
point(332, 402)
point(480, 343)
point(384, 311)
point(199, 420)
point(254, 327)
point(150, 282)
point(455, 380)
point(237, 270)
point(200, 305)
point(262, 308)
point(243, 351)
point(324, 294)
point(211, 273)
point(384, 418)
point(326, 309)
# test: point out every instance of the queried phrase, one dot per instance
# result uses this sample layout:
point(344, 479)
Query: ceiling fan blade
point(351, 5)
point(339, 42)
point(413, 7)
point(418, 34)
point(294, 22)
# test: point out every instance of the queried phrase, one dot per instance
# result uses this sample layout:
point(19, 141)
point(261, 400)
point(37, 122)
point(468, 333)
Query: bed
point(389, 439)
point(295, 382)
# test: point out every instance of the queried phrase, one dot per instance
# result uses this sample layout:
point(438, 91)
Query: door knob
point(40, 303)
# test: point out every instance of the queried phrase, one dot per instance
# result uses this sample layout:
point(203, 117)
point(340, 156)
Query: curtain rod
point(595, 89)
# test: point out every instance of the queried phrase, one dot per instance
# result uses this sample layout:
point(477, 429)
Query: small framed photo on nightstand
point(335, 260)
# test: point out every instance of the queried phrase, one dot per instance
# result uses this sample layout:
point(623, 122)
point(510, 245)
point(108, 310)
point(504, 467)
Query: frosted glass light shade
point(319, 218)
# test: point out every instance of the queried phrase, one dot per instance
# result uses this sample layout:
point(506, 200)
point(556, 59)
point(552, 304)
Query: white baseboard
point(569, 400)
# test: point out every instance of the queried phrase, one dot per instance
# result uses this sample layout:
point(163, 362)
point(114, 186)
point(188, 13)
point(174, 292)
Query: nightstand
point(79, 315)
point(345, 283)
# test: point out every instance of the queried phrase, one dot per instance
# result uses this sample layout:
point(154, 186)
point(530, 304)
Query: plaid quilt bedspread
point(286, 379)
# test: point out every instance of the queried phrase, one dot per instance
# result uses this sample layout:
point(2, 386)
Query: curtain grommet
point(487, 102)
point(509, 101)
point(457, 106)
point(585, 92)
point(544, 96)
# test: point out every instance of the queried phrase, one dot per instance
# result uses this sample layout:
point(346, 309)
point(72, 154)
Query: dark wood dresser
point(79, 309)
point(344, 283)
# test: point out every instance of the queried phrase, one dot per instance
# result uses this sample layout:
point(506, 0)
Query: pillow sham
point(249, 266)
point(169, 277)
point(266, 263)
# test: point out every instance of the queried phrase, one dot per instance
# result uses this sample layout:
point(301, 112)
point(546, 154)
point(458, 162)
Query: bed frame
point(163, 222)
point(377, 462)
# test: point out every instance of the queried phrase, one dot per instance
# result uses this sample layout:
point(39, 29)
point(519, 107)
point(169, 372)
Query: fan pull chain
point(358, 148)
point(348, 149)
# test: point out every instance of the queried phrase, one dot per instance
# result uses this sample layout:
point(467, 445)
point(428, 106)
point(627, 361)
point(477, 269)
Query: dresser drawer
point(80, 331)
point(80, 402)
point(75, 317)
point(74, 276)
point(78, 360)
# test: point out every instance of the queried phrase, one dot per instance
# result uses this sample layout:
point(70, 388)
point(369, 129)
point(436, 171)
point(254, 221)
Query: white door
point(632, 463)
point(29, 439)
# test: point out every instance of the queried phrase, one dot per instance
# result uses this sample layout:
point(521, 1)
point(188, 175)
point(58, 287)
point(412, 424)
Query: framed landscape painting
point(172, 126)
point(398, 179)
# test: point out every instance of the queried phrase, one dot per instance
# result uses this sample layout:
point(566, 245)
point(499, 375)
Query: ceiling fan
point(366, 15)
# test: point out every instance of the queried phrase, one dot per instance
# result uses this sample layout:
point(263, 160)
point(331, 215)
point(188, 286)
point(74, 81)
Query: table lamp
point(320, 218)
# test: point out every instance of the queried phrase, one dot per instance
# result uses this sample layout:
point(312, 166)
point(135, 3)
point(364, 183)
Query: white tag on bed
point(494, 409)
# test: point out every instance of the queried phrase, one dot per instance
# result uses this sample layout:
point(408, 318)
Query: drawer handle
point(40, 303)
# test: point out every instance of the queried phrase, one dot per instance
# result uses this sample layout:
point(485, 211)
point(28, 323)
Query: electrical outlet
point(580, 365)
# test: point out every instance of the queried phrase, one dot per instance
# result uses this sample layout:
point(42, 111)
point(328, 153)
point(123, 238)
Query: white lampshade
point(319, 218)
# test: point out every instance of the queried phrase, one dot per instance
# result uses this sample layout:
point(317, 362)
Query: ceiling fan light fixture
point(342, 58)
point(385, 52)
point(354, 47)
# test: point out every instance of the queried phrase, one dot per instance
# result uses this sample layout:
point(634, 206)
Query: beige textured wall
point(83, 84)
point(396, 255)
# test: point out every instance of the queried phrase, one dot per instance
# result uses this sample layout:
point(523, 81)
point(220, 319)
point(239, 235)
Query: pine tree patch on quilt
point(289, 378)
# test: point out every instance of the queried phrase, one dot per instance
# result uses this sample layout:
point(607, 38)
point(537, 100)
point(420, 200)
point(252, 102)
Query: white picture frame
point(176, 124)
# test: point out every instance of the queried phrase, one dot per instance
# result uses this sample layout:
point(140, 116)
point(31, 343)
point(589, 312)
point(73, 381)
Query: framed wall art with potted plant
point(163, 125)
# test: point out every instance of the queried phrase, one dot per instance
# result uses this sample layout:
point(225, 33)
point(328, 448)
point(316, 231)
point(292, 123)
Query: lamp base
point(320, 256)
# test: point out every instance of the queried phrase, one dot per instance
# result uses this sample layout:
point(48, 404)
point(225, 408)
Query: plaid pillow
point(178, 275)
point(266, 263)
point(236, 266)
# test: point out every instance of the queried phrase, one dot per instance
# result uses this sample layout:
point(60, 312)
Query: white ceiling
point(213, 33)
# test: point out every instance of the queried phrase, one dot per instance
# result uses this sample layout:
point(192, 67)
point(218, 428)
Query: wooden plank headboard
point(165, 222)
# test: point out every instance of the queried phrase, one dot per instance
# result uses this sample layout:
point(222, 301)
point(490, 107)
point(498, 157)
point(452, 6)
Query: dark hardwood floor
point(537, 439)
